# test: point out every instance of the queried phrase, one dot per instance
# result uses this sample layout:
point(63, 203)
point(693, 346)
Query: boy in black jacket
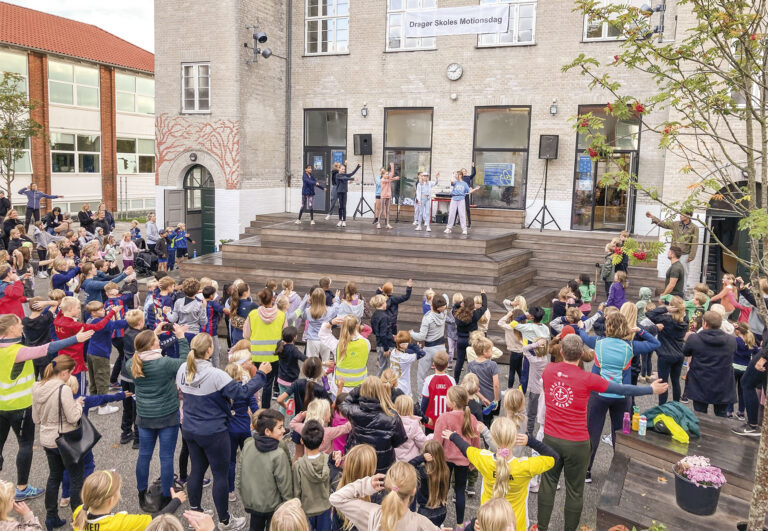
point(382, 329)
point(394, 302)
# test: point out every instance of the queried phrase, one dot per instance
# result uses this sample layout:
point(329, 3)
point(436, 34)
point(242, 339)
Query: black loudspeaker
point(548, 146)
point(363, 144)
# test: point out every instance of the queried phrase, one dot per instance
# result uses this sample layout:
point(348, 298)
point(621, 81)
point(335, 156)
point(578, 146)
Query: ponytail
point(401, 481)
point(84, 271)
point(312, 369)
point(460, 399)
point(348, 329)
point(198, 349)
point(144, 341)
point(237, 294)
point(58, 365)
point(98, 488)
point(503, 434)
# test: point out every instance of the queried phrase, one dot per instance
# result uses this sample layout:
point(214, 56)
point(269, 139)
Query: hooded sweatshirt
point(312, 483)
point(45, 410)
point(354, 307)
point(268, 481)
point(645, 298)
point(266, 314)
point(432, 329)
point(416, 439)
point(314, 325)
point(710, 376)
point(189, 312)
point(339, 430)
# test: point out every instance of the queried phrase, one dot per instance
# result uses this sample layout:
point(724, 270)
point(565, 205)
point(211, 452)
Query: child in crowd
point(289, 357)
point(423, 206)
point(645, 297)
point(413, 430)
point(161, 250)
point(451, 332)
point(189, 311)
point(135, 230)
point(745, 350)
point(37, 328)
point(312, 478)
point(382, 331)
point(617, 295)
point(129, 430)
point(294, 301)
point(320, 411)
point(537, 354)
point(487, 372)
point(426, 303)
point(315, 315)
point(402, 358)
point(29, 521)
point(514, 342)
point(433, 394)
point(128, 250)
point(340, 442)
point(213, 312)
point(306, 389)
point(100, 350)
point(587, 292)
point(434, 481)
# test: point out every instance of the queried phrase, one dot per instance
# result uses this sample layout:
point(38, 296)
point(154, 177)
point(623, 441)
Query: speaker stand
point(544, 211)
point(363, 207)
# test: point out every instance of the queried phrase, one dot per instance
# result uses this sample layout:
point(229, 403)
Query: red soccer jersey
point(566, 393)
point(68, 327)
point(435, 388)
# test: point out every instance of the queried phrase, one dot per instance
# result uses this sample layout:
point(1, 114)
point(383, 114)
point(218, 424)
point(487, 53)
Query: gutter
point(288, 66)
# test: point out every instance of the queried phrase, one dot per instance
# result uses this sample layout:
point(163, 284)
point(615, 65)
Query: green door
point(208, 239)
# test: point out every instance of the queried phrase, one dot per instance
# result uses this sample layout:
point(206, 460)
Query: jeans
point(670, 368)
point(424, 212)
point(147, 439)
point(320, 522)
point(702, 407)
point(524, 375)
point(461, 356)
point(236, 440)
point(459, 488)
point(260, 521)
point(342, 196)
point(515, 367)
point(425, 364)
point(266, 392)
point(28, 215)
point(20, 421)
point(56, 470)
point(647, 364)
point(737, 374)
point(306, 204)
point(205, 450)
point(458, 206)
point(334, 200)
point(128, 423)
point(574, 460)
point(597, 407)
point(171, 259)
point(750, 383)
point(383, 361)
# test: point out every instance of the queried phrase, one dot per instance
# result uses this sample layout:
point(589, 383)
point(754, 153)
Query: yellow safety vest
point(354, 367)
point(15, 394)
point(264, 337)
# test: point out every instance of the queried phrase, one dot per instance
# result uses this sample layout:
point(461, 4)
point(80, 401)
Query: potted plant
point(697, 485)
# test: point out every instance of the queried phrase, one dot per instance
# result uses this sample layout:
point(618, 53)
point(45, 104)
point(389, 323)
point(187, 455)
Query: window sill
point(128, 113)
point(77, 173)
point(401, 50)
point(324, 54)
point(506, 45)
point(194, 112)
point(76, 107)
point(608, 39)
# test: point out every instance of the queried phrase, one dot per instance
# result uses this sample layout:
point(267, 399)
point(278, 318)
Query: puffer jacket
point(672, 336)
point(710, 377)
point(45, 410)
point(370, 425)
point(432, 327)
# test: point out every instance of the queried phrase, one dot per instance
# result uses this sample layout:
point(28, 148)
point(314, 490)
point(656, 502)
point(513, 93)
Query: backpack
point(606, 270)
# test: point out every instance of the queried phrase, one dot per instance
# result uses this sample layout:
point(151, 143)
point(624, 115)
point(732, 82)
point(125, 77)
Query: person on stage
point(423, 199)
point(342, 180)
point(308, 184)
point(386, 193)
point(470, 180)
point(460, 190)
point(334, 197)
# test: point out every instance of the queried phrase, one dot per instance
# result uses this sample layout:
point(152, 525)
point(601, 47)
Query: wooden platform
point(634, 494)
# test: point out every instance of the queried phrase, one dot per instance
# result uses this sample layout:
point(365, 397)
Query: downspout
point(288, 64)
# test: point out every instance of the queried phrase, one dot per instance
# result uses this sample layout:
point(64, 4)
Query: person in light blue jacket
point(459, 192)
point(315, 313)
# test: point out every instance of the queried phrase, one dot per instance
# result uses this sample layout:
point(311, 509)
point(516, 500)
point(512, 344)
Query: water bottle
point(626, 428)
point(635, 419)
point(194, 253)
point(643, 424)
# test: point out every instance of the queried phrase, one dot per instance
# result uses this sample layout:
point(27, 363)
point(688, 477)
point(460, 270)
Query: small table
point(437, 200)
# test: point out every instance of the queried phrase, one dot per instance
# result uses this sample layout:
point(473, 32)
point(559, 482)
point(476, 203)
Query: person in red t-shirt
point(66, 325)
point(435, 388)
point(12, 291)
point(566, 393)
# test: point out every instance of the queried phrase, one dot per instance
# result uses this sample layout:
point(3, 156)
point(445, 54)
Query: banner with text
point(457, 21)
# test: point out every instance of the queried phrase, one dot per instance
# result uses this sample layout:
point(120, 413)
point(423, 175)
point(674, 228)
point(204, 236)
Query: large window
point(501, 156)
point(135, 94)
point(135, 155)
point(24, 164)
point(71, 84)
point(396, 39)
point(74, 153)
point(595, 30)
point(195, 87)
point(327, 27)
point(16, 63)
point(522, 24)
point(408, 144)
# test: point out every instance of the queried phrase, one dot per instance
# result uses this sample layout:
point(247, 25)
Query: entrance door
point(200, 204)
point(320, 159)
point(599, 207)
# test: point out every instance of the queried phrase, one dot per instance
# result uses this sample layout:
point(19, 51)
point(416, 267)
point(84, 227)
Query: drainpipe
point(288, 64)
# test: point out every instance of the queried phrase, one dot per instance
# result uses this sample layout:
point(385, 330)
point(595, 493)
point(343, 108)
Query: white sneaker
point(447, 231)
point(297, 222)
point(234, 524)
point(338, 224)
point(607, 440)
point(415, 223)
point(389, 226)
point(343, 223)
point(312, 222)
point(232, 497)
point(378, 225)
point(418, 227)
point(327, 217)
point(428, 229)
point(464, 231)
point(107, 410)
point(42, 274)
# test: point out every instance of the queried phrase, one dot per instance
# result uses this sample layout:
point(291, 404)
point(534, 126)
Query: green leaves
point(15, 123)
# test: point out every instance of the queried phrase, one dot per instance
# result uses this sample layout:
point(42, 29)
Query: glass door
point(319, 160)
point(599, 207)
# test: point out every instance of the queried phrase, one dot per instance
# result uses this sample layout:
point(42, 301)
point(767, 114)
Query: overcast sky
point(133, 21)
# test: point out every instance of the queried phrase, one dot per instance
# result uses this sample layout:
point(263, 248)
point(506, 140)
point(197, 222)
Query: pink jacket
point(416, 439)
point(452, 420)
point(340, 443)
point(329, 434)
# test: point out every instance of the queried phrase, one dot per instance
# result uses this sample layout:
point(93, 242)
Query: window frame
point(138, 154)
point(76, 152)
point(516, 20)
point(319, 19)
point(327, 144)
point(401, 12)
point(27, 155)
point(527, 150)
point(26, 63)
point(605, 25)
point(75, 85)
point(196, 66)
point(397, 198)
point(136, 94)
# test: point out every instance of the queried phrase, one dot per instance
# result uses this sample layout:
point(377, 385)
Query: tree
point(709, 112)
point(16, 127)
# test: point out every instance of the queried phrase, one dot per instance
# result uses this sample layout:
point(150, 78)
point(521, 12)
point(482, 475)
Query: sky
point(133, 21)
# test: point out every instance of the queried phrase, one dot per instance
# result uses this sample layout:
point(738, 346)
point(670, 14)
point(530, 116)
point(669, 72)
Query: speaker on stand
point(363, 145)
point(548, 145)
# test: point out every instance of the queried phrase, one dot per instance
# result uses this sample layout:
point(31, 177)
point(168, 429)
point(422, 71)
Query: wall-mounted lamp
point(454, 96)
point(364, 110)
point(259, 37)
point(193, 157)
point(553, 107)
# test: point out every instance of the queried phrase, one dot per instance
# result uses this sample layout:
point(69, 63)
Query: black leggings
point(515, 367)
point(20, 421)
point(117, 342)
point(260, 521)
point(183, 459)
point(128, 423)
point(307, 203)
point(461, 356)
point(204, 451)
point(342, 205)
point(670, 369)
point(459, 488)
point(597, 407)
point(56, 470)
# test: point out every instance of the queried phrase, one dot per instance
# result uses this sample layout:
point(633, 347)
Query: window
point(408, 144)
point(325, 127)
point(24, 164)
point(501, 156)
point(71, 153)
point(522, 24)
point(135, 94)
point(606, 31)
point(71, 84)
point(16, 63)
point(327, 27)
point(135, 155)
point(196, 88)
point(396, 39)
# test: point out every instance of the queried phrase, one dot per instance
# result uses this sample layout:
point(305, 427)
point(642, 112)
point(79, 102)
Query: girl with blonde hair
point(289, 517)
point(506, 476)
point(496, 515)
point(101, 494)
point(319, 409)
point(617, 294)
point(672, 322)
point(413, 430)
point(316, 314)
point(400, 484)
point(28, 522)
point(359, 463)
point(351, 352)
point(239, 426)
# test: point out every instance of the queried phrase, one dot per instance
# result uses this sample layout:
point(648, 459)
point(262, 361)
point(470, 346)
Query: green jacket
point(264, 478)
point(156, 392)
point(681, 414)
point(312, 483)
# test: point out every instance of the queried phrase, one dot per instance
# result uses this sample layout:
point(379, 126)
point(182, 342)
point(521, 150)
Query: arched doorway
point(200, 209)
point(724, 221)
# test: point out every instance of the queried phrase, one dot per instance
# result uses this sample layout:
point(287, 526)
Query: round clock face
point(454, 71)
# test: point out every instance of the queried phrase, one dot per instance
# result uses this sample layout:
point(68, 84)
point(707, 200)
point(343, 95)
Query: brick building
point(95, 95)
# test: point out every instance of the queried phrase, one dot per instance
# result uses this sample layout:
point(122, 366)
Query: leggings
point(236, 440)
point(342, 196)
point(128, 422)
point(597, 407)
point(204, 451)
point(260, 521)
point(56, 470)
point(750, 383)
point(670, 368)
point(647, 364)
point(467, 201)
point(307, 202)
point(461, 356)
point(183, 459)
point(385, 202)
point(459, 488)
point(515, 367)
point(20, 422)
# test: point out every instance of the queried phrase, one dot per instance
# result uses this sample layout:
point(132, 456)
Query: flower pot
point(695, 499)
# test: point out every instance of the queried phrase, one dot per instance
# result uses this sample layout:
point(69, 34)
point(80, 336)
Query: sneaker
point(312, 222)
point(747, 430)
point(64, 502)
point(42, 274)
point(54, 522)
point(115, 387)
point(588, 479)
point(108, 410)
point(378, 225)
point(415, 223)
point(135, 444)
point(28, 493)
point(428, 229)
point(447, 231)
point(684, 400)
point(607, 440)
point(464, 232)
point(375, 221)
point(740, 415)
point(389, 226)
point(178, 483)
point(729, 415)
point(470, 491)
point(206, 482)
point(327, 217)
point(297, 222)
point(125, 438)
point(338, 224)
point(235, 523)
point(343, 223)
point(232, 497)
point(417, 228)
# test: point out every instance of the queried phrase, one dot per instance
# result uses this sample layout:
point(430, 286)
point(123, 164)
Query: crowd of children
point(342, 448)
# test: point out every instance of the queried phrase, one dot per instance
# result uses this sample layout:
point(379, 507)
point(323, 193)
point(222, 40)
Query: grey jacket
point(432, 327)
point(152, 233)
point(190, 312)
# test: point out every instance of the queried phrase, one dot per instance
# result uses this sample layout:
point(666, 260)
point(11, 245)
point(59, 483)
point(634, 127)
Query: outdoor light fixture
point(193, 157)
point(259, 37)
point(647, 10)
point(553, 107)
point(364, 110)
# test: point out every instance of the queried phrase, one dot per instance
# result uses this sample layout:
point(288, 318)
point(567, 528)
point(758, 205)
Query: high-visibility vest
point(354, 367)
point(264, 337)
point(15, 394)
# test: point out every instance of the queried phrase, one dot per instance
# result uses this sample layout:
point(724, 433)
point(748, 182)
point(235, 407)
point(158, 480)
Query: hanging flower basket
point(698, 485)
